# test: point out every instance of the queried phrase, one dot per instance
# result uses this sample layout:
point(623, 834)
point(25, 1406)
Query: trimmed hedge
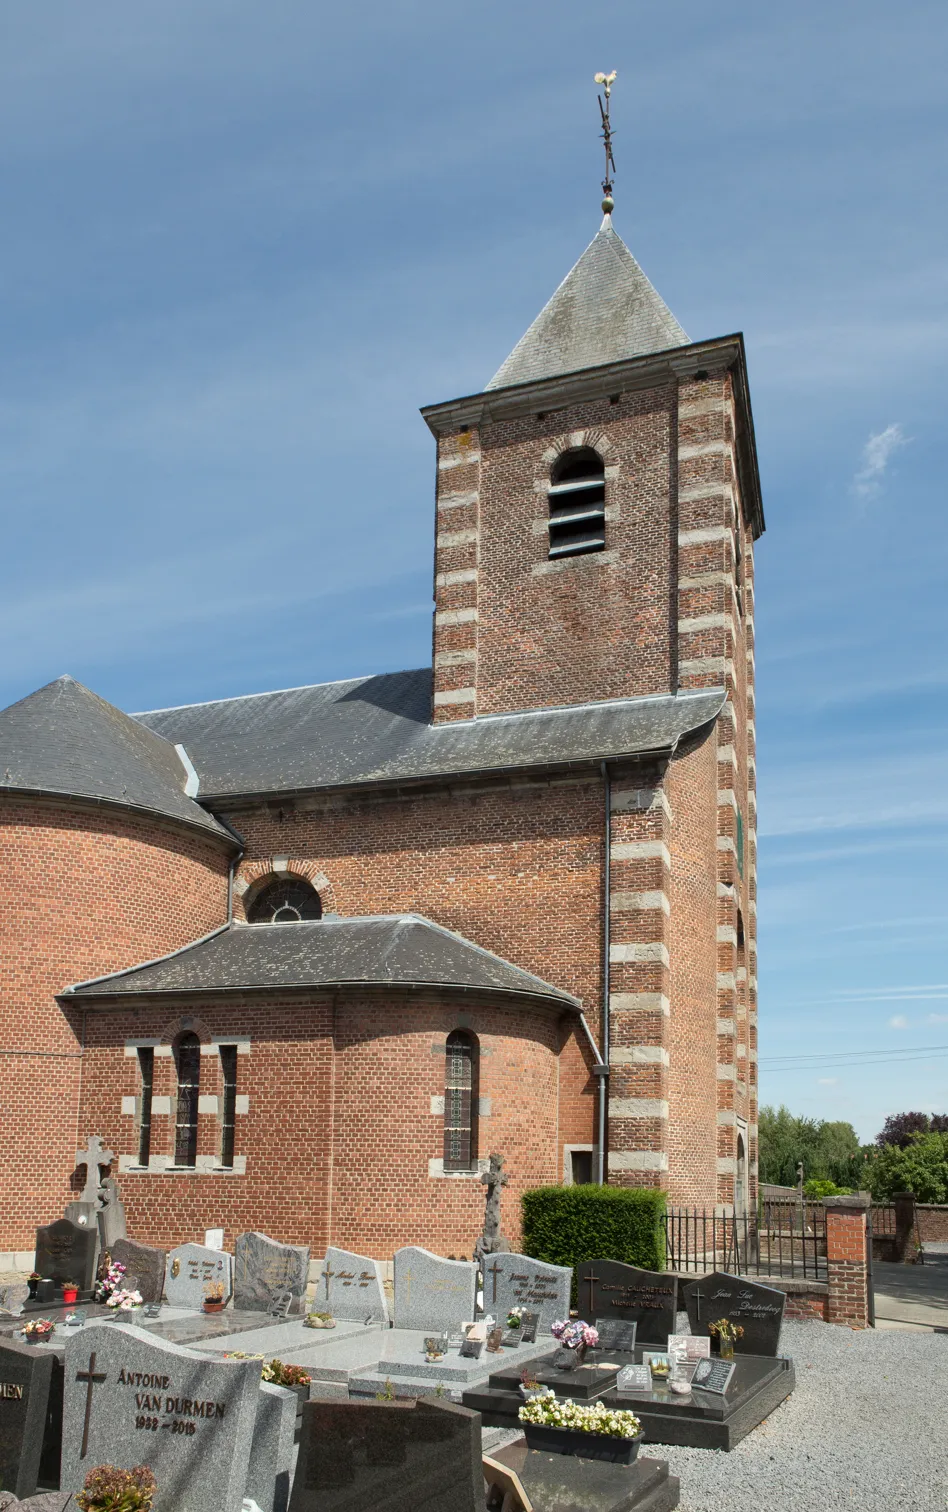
point(564, 1225)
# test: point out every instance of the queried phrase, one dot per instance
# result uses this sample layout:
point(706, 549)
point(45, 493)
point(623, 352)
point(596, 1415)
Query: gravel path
point(865, 1429)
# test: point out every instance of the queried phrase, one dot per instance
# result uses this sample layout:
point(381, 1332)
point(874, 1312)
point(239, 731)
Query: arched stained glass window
point(285, 901)
point(460, 1101)
point(187, 1054)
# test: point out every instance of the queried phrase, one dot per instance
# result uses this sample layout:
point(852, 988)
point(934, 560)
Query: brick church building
point(305, 958)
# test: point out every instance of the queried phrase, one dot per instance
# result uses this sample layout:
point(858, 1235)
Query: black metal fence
point(785, 1240)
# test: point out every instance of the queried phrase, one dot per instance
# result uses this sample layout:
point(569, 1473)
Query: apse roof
point(393, 950)
point(65, 740)
point(377, 729)
point(605, 310)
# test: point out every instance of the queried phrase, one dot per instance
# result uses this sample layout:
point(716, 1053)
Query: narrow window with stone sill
point(460, 1101)
point(228, 1054)
point(577, 500)
point(146, 1071)
point(187, 1056)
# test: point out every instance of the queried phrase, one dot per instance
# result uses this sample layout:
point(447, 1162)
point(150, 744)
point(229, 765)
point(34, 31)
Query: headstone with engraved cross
point(516, 1281)
point(757, 1310)
point(610, 1289)
point(432, 1293)
point(351, 1287)
point(131, 1399)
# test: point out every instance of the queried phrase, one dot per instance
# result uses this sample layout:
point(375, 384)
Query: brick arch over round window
point(253, 876)
point(462, 1065)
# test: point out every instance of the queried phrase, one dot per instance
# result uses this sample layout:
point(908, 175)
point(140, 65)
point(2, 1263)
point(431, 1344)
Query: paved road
point(913, 1293)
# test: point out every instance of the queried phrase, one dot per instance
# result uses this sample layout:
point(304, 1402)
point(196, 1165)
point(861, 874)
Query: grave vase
point(726, 1349)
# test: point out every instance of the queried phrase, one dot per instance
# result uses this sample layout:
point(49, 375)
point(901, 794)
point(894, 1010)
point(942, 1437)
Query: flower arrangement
point(124, 1301)
point(319, 1320)
point(214, 1291)
point(723, 1328)
point(109, 1489)
point(514, 1317)
point(38, 1330)
point(575, 1335)
point(274, 1371)
point(552, 1412)
point(34, 1276)
point(110, 1282)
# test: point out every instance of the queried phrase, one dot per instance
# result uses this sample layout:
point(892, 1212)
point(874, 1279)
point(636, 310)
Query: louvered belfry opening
point(460, 1101)
point(188, 1060)
point(577, 503)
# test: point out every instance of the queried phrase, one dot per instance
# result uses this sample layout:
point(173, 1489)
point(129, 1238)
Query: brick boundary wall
point(932, 1222)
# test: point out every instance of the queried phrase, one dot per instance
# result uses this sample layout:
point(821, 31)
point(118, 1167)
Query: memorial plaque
point(431, 1292)
point(263, 1266)
point(25, 1377)
point(131, 1399)
point(214, 1238)
point(516, 1281)
point(471, 1349)
point(616, 1334)
point(757, 1309)
point(609, 1289)
point(529, 1323)
point(66, 1251)
point(684, 1348)
point(191, 1269)
point(351, 1287)
point(634, 1378)
point(713, 1375)
point(144, 1267)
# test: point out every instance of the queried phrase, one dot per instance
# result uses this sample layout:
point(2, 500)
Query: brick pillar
point(847, 1271)
point(456, 564)
point(904, 1204)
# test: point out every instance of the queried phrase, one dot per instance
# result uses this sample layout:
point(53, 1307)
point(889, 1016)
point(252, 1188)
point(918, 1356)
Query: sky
point(243, 243)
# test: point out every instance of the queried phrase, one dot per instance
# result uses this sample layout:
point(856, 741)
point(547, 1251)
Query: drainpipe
point(235, 862)
point(602, 1070)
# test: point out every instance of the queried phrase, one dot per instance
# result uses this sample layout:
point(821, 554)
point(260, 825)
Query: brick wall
point(932, 1222)
point(847, 1270)
point(83, 891)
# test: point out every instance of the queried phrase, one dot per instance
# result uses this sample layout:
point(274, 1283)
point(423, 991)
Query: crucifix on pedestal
point(93, 1159)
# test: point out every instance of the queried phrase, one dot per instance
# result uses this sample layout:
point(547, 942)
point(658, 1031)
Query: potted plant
point(577, 1336)
point(109, 1489)
point(70, 1294)
point(595, 1431)
point(530, 1387)
point(123, 1302)
point(38, 1330)
point(725, 1332)
point(319, 1320)
point(32, 1282)
point(214, 1297)
point(291, 1377)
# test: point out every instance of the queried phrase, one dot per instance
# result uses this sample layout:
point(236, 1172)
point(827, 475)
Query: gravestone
point(111, 1215)
point(517, 1281)
point(191, 1269)
point(360, 1455)
point(131, 1399)
point(25, 1378)
point(67, 1252)
point(492, 1241)
point(757, 1309)
point(144, 1267)
point(271, 1454)
point(351, 1287)
point(93, 1158)
point(610, 1289)
point(262, 1266)
point(432, 1293)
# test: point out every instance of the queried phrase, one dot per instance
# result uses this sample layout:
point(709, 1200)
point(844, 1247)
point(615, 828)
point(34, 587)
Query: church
point(304, 959)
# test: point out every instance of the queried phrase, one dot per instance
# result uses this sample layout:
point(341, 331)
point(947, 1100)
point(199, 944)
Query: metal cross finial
point(607, 81)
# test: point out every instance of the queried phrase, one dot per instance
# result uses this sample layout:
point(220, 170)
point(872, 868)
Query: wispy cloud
point(898, 1021)
point(877, 453)
point(937, 1018)
point(827, 1081)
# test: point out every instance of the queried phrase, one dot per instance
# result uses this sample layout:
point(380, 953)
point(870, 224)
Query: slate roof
point(376, 729)
point(605, 310)
point(64, 739)
point(386, 950)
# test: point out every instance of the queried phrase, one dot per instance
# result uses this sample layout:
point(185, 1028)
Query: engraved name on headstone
point(516, 1281)
point(432, 1293)
point(617, 1334)
point(192, 1271)
point(25, 1378)
point(757, 1309)
point(610, 1289)
point(351, 1287)
point(263, 1266)
point(67, 1252)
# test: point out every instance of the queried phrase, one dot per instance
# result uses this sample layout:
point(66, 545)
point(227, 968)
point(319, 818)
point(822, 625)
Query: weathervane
point(607, 80)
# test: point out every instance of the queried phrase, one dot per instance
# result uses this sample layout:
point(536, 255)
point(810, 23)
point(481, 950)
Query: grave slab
point(709, 1420)
point(271, 1454)
point(144, 1267)
point(755, 1308)
point(351, 1286)
point(263, 1266)
point(610, 1289)
point(66, 1251)
point(131, 1399)
point(191, 1269)
point(425, 1457)
point(25, 1380)
point(571, 1484)
point(275, 1338)
point(517, 1281)
point(431, 1293)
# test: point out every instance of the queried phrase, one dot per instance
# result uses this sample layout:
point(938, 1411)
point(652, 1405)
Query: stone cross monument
point(492, 1241)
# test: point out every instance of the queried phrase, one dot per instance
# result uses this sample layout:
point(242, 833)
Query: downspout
point(234, 863)
point(603, 1070)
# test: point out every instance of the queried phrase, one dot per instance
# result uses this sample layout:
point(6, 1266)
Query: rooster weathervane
point(607, 81)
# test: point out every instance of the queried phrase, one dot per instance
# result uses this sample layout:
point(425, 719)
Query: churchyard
point(269, 1380)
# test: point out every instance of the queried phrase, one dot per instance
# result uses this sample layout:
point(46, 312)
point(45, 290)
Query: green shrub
point(565, 1225)
point(817, 1188)
point(922, 1168)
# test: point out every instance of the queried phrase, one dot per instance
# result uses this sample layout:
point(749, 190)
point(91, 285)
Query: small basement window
point(577, 503)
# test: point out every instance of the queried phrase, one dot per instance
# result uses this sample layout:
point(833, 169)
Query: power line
point(895, 1053)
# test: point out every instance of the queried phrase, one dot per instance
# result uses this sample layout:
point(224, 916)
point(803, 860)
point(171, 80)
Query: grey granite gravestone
point(271, 1454)
point(610, 1289)
point(517, 1281)
point(144, 1264)
point(25, 1377)
point(67, 1252)
point(755, 1308)
point(431, 1293)
point(191, 1270)
point(131, 1399)
point(263, 1266)
point(359, 1455)
point(351, 1287)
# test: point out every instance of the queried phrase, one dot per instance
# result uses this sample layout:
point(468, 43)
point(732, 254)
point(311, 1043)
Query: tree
point(920, 1166)
point(901, 1128)
point(829, 1151)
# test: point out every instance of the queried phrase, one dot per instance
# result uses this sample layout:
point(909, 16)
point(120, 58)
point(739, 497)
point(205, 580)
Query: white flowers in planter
point(554, 1412)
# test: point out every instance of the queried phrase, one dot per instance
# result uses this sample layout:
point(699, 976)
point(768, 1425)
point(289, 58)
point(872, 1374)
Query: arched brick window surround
point(253, 876)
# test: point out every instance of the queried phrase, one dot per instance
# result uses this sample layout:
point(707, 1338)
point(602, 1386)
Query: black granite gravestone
point(25, 1376)
point(66, 1252)
point(609, 1289)
point(355, 1455)
point(571, 1484)
point(144, 1267)
point(757, 1309)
